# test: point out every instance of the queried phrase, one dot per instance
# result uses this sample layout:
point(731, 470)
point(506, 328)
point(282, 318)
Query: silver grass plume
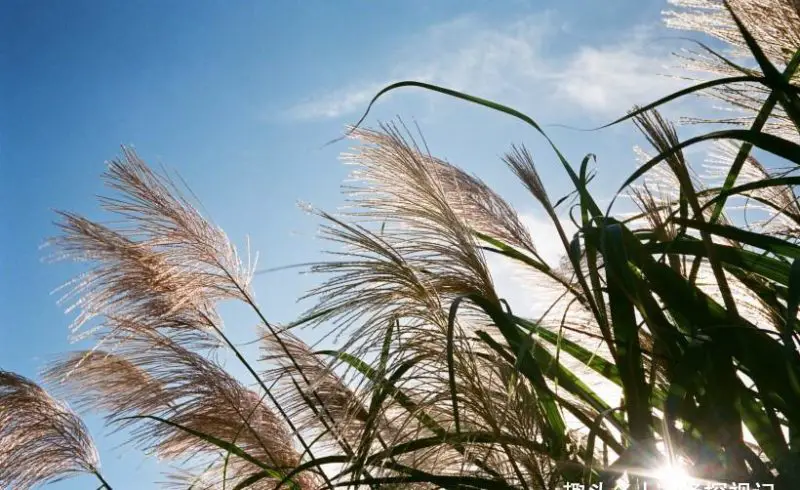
point(775, 24)
point(41, 439)
point(520, 161)
point(408, 252)
point(398, 290)
point(157, 273)
point(165, 266)
point(107, 382)
point(326, 401)
point(479, 206)
point(676, 172)
point(658, 208)
point(204, 397)
point(423, 256)
point(219, 475)
point(402, 185)
point(150, 375)
point(777, 204)
point(567, 308)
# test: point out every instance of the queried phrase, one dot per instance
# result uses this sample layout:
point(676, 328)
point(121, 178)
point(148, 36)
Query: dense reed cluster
point(668, 337)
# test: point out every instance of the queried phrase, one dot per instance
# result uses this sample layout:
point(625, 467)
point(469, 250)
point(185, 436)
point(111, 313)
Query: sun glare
point(674, 477)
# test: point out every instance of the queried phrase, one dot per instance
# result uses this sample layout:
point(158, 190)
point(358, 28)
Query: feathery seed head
point(41, 439)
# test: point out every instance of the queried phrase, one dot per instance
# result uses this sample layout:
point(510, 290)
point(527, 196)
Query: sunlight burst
point(674, 477)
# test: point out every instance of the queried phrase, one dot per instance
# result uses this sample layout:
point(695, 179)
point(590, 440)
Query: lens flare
point(674, 477)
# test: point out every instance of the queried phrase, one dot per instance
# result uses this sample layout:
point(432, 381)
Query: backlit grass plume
point(41, 439)
point(411, 257)
point(774, 24)
point(681, 298)
point(149, 299)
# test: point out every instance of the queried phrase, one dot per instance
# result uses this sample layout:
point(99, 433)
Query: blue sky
point(239, 98)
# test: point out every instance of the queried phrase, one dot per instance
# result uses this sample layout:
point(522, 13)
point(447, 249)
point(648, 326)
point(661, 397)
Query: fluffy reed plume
point(132, 279)
point(152, 376)
point(315, 397)
point(557, 276)
point(658, 194)
point(41, 439)
point(775, 24)
point(423, 256)
point(402, 186)
point(154, 281)
point(521, 163)
point(658, 200)
point(224, 409)
point(416, 216)
point(391, 287)
point(164, 267)
point(680, 176)
point(480, 206)
point(777, 205)
point(409, 252)
point(220, 474)
point(107, 382)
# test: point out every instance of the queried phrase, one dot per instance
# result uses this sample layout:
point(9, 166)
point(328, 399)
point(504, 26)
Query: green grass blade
point(792, 304)
point(621, 298)
point(775, 80)
point(594, 429)
point(683, 92)
point(451, 372)
point(756, 263)
point(606, 369)
point(764, 242)
point(777, 146)
point(757, 126)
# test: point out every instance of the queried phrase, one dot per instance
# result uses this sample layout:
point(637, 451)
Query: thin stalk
point(269, 326)
point(345, 446)
point(272, 398)
point(589, 292)
point(103, 482)
point(236, 436)
point(342, 442)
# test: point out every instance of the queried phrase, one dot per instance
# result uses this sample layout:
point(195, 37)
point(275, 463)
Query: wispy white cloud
point(463, 54)
point(335, 103)
point(610, 79)
point(515, 62)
